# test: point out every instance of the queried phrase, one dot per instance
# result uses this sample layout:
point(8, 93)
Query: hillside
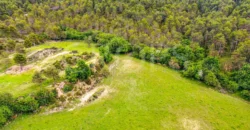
point(149, 96)
point(124, 64)
point(138, 97)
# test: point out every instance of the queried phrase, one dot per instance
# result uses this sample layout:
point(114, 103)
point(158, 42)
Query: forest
point(204, 40)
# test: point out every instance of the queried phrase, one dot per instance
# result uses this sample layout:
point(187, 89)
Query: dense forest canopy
point(221, 26)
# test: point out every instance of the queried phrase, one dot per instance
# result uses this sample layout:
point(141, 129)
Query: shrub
point(20, 59)
point(105, 53)
point(242, 77)
point(182, 54)
point(245, 94)
point(211, 79)
point(5, 114)
point(147, 54)
point(67, 88)
point(227, 83)
point(37, 78)
point(119, 45)
point(164, 57)
point(58, 65)
point(173, 63)
point(81, 72)
point(7, 99)
point(211, 64)
point(26, 104)
point(51, 72)
point(45, 97)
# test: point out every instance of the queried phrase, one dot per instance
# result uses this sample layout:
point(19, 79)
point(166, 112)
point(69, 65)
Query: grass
point(147, 96)
point(21, 84)
point(80, 46)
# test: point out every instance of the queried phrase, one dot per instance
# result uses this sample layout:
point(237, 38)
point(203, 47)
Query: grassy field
point(20, 84)
point(147, 96)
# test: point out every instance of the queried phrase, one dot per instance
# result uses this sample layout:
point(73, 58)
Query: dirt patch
point(59, 88)
point(97, 93)
point(190, 124)
point(43, 54)
point(17, 69)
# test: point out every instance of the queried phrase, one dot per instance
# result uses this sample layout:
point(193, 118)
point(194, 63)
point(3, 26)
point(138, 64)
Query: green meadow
point(143, 95)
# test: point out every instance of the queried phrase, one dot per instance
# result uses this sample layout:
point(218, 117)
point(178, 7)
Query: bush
point(105, 53)
point(58, 65)
point(104, 38)
point(51, 72)
point(182, 54)
point(242, 77)
point(211, 79)
point(7, 99)
point(147, 54)
point(5, 114)
point(67, 88)
point(37, 78)
point(211, 64)
point(81, 72)
point(26, 104)
point(45, 97)
point(245, 94)
point(119, 45)
point(164, 57)
point(173, 63)
point(227, 83)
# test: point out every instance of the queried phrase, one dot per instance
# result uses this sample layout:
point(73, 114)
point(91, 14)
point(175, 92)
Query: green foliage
point(119, 45)
point(147, 54)
point(45, 97)
point(67, 88)
point(7, 99)
point(193, 70)
point(20, 59)
point(51, 72)
point(26, 104)
point(73, 34)
point(227, 83)
point(37, 78)
point(182, 54)
point(245, 94)
point(211, 79)
point(5, 114)
point(81, 72)
point(34, 39)
point(105, 53)
point(211, 64)
point(164, 57)
point(242, 77)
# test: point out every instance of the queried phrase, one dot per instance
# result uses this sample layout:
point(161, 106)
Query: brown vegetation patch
point(18, 69)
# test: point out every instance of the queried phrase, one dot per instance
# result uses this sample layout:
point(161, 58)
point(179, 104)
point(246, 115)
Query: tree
point(20, 59)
